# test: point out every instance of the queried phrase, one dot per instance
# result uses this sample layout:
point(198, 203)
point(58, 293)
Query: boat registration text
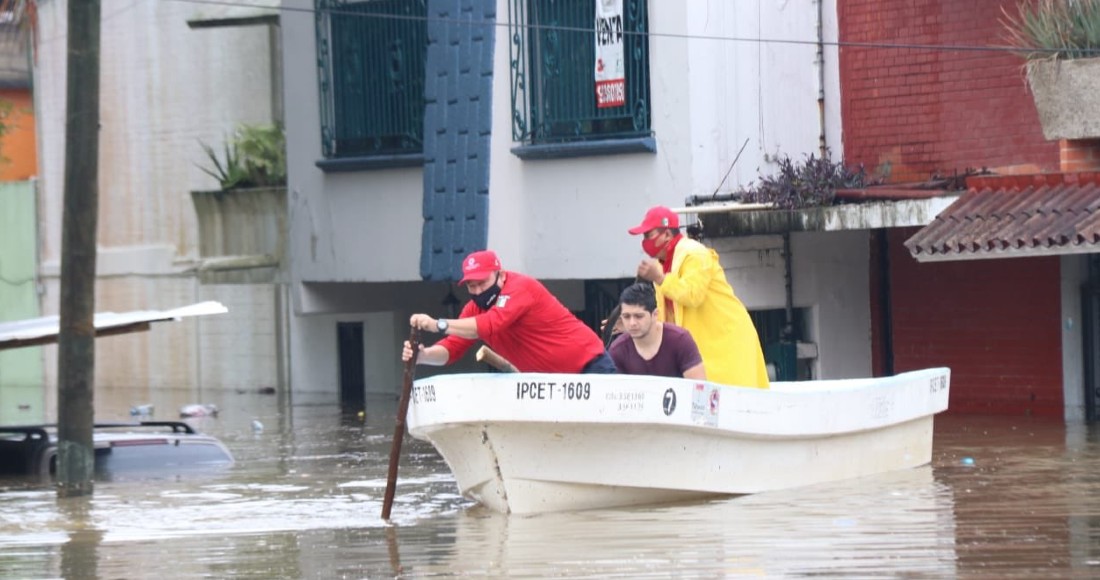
point(550, 390)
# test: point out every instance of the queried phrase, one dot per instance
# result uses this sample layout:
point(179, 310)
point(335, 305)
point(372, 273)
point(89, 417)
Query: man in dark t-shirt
point(651, 347)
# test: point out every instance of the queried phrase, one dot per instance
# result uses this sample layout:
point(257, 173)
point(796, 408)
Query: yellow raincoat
point(704, 304)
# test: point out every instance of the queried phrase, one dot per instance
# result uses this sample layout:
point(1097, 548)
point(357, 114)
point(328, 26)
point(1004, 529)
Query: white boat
point(529, 443)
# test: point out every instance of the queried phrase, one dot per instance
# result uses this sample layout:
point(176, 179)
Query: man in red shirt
point(516, 316)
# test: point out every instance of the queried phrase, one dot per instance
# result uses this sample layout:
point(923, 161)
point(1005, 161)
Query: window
point(371, 57)
point(553, 61)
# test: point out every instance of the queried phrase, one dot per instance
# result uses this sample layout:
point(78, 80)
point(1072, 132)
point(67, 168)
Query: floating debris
point(141, 410)
point(199, 410)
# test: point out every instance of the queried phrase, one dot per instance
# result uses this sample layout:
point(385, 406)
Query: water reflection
point(304, 498)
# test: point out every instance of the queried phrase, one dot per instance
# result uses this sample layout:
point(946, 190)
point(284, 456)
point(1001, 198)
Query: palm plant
point(254, 157)
point(1054, 29)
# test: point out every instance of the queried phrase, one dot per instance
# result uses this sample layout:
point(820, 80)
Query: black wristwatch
point(441, 325)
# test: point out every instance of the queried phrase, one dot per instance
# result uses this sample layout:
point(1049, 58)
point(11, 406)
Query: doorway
point(353, 387)
point(1090, 343)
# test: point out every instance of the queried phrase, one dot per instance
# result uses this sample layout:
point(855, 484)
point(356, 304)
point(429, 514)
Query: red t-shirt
point(529, 327)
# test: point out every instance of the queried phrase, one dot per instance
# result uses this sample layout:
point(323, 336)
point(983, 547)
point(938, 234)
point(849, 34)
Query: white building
point(168, 83)
point(419, 131)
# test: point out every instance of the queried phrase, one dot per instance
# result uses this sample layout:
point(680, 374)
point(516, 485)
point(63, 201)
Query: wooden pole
point(399, 428)
point(76, 339)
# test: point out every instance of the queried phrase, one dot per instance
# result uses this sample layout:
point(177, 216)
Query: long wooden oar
point(490, 356)
point(399, 429)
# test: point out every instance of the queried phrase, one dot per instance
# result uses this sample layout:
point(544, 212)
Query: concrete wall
point(1074, 275)
point(164, 89)
point(829, 277)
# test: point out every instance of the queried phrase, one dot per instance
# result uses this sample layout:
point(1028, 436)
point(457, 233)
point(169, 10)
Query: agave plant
point(254, 157)
point(1054, 29)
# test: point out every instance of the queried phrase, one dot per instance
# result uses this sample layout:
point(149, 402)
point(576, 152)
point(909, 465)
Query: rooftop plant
point(812, 182)
point(1054, 29)
point(255, 156)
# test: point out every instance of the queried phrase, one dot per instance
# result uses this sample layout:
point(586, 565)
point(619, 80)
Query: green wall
point(22, 398)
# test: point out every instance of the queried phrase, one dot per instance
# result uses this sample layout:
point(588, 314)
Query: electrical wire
point(672, 35)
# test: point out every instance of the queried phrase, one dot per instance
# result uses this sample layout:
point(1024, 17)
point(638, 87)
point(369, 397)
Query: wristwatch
point(441, 325)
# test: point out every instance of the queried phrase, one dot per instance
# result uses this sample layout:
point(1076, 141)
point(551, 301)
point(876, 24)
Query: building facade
point(170, 81)
point(422, 131)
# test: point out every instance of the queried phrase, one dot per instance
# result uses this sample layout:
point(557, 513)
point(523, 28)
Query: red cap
point(658, 216)
point(479, 266)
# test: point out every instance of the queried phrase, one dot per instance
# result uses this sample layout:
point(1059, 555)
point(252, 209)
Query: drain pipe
point(823, 147)
point(886, 308)
point(787, 335)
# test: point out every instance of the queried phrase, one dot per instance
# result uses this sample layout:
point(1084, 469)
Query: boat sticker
point(550, 390)
point(669, 401)
point(704, 405)
point(881, 407)
point(626, 401)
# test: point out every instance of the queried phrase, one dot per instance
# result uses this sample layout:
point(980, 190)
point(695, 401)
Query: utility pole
point(76, 341)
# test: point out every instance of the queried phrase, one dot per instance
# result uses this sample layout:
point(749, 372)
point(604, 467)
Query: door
point(353, 387)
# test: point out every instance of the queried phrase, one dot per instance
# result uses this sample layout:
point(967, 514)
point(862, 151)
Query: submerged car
point(145, 450)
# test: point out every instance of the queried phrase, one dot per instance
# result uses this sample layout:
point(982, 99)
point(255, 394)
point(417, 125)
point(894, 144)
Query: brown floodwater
point(304, 498)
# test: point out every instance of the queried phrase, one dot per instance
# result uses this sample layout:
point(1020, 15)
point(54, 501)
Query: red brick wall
point(924, 111)
point(996, 323)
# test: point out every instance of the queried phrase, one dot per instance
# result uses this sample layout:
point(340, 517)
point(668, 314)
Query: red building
point(998, 287)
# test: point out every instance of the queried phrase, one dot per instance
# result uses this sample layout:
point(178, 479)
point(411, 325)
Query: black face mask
point(485, 300)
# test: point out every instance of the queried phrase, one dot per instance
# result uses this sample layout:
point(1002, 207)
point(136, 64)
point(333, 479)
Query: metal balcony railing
point(552, 53)
point(370, 56)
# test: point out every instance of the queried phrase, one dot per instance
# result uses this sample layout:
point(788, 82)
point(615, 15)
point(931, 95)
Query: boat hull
point(536, 443)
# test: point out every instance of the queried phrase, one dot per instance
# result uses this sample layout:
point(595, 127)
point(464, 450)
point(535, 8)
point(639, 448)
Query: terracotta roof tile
point(1015, 216)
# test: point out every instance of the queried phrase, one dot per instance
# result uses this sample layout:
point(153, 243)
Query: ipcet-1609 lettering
point(550, 390)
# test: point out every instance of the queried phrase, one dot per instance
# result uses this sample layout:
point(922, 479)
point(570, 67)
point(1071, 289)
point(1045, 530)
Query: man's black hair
point(640, 294)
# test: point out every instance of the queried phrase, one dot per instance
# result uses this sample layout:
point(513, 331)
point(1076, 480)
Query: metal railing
point(370, 56)
point(552, 54)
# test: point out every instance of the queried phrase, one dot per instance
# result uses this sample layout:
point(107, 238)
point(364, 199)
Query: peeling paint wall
point(165, 88)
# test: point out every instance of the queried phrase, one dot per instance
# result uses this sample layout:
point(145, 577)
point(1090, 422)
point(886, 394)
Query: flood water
point(304, 498)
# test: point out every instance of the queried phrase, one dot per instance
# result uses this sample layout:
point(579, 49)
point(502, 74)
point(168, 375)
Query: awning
point(36, 331)
point(1015, 217)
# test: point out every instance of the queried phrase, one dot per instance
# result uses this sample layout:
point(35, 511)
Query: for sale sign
point(610, 72)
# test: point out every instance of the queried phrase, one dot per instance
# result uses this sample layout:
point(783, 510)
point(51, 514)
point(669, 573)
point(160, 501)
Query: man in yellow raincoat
point(692, 292)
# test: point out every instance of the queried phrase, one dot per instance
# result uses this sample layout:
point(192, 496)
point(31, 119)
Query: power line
point(671, 35)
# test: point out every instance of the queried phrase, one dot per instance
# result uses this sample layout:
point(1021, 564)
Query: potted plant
point(1060, 40)
point(245, 218)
